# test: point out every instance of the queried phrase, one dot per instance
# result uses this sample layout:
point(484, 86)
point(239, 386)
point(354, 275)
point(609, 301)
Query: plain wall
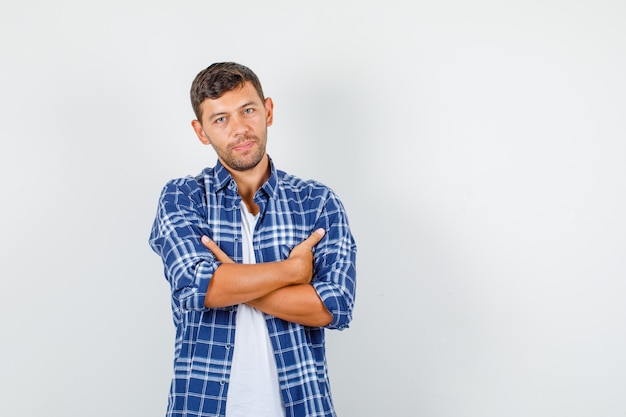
point(477, 146)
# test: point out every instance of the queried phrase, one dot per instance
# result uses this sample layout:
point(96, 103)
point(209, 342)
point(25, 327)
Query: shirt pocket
point(279, 242)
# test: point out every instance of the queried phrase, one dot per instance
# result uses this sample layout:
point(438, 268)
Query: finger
point(315, 237)
point(220, 255)
point(212, 246)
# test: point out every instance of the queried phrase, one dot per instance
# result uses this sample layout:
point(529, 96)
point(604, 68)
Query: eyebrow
point(247, 104)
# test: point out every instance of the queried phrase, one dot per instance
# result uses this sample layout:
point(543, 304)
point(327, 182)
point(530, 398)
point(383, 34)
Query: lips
point(244, 146)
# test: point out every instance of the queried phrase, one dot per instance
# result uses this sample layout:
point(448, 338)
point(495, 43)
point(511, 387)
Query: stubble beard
point(249, 160)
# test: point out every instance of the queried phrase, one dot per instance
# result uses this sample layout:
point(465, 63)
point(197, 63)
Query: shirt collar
point(223, 178)
point(269, 187)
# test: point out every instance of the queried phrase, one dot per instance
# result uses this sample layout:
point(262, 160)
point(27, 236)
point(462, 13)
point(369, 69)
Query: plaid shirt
point(290, 210)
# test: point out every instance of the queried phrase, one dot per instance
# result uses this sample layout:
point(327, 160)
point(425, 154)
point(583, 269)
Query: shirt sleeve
point(178, 226)
point(335, 263)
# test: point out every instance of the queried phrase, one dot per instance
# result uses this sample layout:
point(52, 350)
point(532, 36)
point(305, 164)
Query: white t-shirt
point(253, 390)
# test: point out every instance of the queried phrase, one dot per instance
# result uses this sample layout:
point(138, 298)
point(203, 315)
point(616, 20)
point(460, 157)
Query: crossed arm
point(281, 289)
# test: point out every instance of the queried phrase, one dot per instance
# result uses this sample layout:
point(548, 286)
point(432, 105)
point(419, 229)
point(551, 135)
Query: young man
point(259, 262)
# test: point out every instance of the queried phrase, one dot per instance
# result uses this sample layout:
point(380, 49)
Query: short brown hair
point(220, 78)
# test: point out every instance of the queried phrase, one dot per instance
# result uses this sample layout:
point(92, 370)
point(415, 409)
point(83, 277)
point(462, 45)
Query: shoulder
point(194, 187)
point(309, 192)
point(295, 184)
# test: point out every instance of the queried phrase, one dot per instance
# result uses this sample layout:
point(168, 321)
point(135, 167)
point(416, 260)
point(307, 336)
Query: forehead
point(233, 100)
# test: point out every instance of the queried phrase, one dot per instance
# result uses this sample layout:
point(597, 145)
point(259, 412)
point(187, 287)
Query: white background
point(478, 148)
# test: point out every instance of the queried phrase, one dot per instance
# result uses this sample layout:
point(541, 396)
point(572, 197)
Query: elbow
point(212, 299)
point(339, 322)
point(191, 300)
point(338, 318)
point(338, 307)
point(324, 318)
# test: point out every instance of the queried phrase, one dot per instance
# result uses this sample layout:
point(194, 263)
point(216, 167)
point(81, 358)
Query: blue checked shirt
point(290, 210)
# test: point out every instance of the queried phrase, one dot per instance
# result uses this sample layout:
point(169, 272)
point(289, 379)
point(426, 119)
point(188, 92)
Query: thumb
point(315, 237)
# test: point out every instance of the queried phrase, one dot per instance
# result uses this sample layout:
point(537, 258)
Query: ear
point(269, 111)
point(197, 127)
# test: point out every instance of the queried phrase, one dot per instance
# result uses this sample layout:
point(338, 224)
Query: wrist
point(292, 272)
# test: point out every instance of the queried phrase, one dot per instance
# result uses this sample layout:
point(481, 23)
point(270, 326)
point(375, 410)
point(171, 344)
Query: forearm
point(296, 303)
point(240, 283)
point(234, 283)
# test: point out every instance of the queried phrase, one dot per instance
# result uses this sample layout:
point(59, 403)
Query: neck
point(249, 182)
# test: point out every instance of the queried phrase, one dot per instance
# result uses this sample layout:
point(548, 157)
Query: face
point(236, 126)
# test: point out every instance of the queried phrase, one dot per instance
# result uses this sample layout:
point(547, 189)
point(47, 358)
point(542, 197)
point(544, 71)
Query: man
point(259, 262)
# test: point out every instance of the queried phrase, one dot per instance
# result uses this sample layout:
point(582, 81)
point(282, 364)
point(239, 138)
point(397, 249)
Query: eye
point(249, 110)
point(220, 120)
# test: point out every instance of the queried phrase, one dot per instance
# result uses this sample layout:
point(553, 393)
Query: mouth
point(244, 146)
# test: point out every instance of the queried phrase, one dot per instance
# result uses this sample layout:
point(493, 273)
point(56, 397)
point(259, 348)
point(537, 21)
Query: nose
point(239, 125)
